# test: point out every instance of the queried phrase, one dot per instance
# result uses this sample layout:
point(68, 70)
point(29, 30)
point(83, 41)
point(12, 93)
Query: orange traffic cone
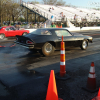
point(52, 89)
point(98, 96)
point(99, 93)
point(61, 26)
point(91, 82)
point(56, 26)
point(62, 75)
point(62, 59)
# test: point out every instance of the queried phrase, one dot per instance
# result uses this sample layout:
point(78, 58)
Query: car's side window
point(7, 29)
point(45, 32)
point(62, 33)
point(11, 28)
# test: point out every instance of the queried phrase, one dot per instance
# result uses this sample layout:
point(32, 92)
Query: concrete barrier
point(73, 29)
point(30, 30)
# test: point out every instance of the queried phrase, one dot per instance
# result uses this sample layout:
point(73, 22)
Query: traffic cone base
point(62, 74)
point(91, 83)
point(91, 91)
point(65, 77)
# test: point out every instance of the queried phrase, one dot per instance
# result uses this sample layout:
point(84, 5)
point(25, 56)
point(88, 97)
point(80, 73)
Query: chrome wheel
point(84, 44)
point(48, 47)
point(2, 36)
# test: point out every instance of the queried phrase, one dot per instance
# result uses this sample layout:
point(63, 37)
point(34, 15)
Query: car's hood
point(77, 34)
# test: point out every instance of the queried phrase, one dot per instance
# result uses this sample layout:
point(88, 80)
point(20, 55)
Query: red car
point(11, 31)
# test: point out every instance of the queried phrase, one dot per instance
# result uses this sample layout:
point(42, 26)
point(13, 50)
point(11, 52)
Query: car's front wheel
point(2, 36)
point(47, 49)
point(84, 44)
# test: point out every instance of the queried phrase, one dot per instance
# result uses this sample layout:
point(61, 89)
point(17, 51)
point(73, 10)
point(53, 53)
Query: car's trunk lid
point(31, 36)
point(23, 39)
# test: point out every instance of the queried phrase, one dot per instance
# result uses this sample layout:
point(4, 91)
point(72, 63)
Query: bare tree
point(2, 10)
point(35, 2)
point(10, 10)
point(14, 10)
point(60, 3)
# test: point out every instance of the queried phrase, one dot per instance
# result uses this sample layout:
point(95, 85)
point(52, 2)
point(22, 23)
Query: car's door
point(6, 31)
point(68, 38)
point(12, 31)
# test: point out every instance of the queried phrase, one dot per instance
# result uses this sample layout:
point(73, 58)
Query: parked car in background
point(11, 31)
point(46, 40)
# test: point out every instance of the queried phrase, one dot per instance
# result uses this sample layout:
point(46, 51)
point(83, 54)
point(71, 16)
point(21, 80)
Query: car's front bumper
point(91, 40)
point(25, 45)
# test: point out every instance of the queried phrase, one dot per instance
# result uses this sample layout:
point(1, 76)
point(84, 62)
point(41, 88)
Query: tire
point(24, 33)
point(84, 44)
point(48, 49)
point(2, 36)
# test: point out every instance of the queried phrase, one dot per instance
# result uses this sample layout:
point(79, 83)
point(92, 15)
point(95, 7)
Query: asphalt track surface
point(24, 75)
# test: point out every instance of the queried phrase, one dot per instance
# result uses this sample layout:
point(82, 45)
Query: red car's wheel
point(24, 33)
point(2, 36)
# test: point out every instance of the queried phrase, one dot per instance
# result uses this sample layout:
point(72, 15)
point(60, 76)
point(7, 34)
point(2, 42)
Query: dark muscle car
point(46, 40)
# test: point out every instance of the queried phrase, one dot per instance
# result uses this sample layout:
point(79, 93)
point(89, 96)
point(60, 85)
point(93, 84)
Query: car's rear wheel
point(2, 36)
point(47, 49)
point(24, 33)
point(84, 44)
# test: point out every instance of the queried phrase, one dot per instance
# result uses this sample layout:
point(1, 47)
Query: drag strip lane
point(19, 61)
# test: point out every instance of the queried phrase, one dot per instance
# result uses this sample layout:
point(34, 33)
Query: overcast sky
point(80, 3)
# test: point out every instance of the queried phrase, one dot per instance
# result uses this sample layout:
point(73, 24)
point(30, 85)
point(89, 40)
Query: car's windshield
point(62, 33)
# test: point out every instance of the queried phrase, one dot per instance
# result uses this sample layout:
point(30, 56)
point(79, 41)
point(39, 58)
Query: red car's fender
point(22, 31)
point(2, 31)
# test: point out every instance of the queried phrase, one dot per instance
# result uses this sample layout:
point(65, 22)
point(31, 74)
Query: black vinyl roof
point(53, 28)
